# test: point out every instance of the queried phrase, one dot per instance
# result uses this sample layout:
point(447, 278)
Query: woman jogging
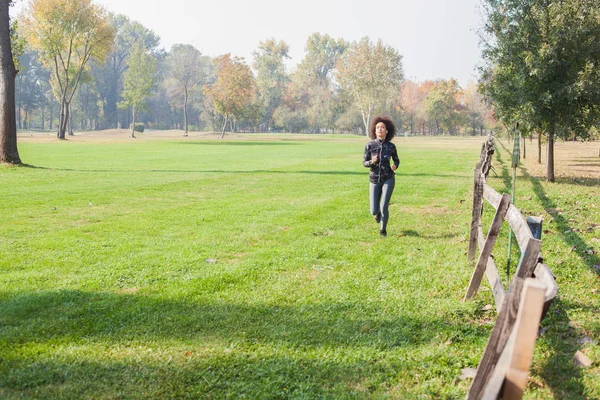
point(378, 154)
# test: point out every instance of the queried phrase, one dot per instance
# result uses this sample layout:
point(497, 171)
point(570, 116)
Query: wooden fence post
point(477, 209)
point(486, 251)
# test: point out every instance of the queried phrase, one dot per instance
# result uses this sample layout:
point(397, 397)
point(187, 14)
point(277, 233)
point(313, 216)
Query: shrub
point(138, 127)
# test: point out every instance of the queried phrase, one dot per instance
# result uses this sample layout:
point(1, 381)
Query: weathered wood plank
point(491, 195)
point(516, 221)
point(505, 321)
point(546, 277)
point(486, 251)
point(477, 209)
point(491, 271)
point(529, 259)
point(527, 326)
point(543, 274)
point(498, 339)
point(518, 224)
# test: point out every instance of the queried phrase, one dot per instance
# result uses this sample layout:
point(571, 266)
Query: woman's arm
point(367, 159)
point(395, 158)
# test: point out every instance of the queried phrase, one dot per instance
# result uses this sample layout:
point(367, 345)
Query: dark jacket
point(381, 171)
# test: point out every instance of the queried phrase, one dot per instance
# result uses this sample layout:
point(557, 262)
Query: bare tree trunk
point(43, 116)
point(185, 116)
point(70, 120)
point(133, 122)
point(8, 124)
point(524, 151)
point(550, 161)
point(62, 121)
point(539, 160)
point(223, 129)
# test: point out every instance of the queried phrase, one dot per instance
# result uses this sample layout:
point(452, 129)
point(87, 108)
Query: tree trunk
point(43, 116)
point(62, 120)
point(133, 122)
point(70, 120)
point(185, 116)
point(524, 151)
point(539, 160)
point(550, 156)
point(8, 124)
point(223, 129)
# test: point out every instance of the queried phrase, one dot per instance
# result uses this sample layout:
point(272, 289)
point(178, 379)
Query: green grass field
point(251, 268)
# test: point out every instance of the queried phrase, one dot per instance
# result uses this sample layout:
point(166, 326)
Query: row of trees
point(541, 67)
point(107, 72)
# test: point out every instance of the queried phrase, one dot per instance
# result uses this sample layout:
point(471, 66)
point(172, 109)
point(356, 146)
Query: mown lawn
point(251, 268)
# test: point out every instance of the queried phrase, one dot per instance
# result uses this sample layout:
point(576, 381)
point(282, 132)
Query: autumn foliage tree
point(67, 34)
point(234, 89)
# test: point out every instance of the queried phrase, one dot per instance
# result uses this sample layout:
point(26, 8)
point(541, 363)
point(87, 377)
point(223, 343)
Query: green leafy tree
point(234, 89)
point(371, 73)
point(108, 76)
point(271, 76)
point(9, 152)
point(67, 34)
point(440, 105)
point(187, 71)
point(313, 85)
point(138, 81)
point(541, 66)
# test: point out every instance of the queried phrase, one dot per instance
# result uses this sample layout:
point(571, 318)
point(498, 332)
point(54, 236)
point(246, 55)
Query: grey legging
point(380, 194)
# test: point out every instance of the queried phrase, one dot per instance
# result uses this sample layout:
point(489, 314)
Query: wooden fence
point(504, 366)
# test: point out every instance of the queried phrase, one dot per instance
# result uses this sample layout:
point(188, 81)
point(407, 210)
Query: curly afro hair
point(389, 124)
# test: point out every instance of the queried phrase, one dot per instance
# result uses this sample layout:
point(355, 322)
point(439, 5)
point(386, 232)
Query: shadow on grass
point(280, 142)
point(572, 239)
point(413, 233)
point(39, 317)
point(560, 374)
point(222, 171)
point(506, 178)
point(50, 340)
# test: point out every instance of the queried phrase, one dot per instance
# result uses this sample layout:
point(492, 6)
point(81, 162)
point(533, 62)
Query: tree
point(29, 94)
point(271, 77)
point(440, 105)
point(234, 89)
point(8, 126)
point(186, 74)
point(67, 34)
point(108, 76)
point(312, 84)
point(138, 81)
point(371, 73)
point(541, 66)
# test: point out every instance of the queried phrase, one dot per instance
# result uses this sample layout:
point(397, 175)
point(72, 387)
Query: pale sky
point(436, 37)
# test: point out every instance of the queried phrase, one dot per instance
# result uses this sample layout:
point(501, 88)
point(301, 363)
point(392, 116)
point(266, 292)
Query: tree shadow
point(127, 323)
point(570, 237)
point(69, 314)
point(250, 171)
point(506, 178)
point(562, 338)
point(413, 233)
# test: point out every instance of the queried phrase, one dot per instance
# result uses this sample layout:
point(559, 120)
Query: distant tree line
point(127, 78)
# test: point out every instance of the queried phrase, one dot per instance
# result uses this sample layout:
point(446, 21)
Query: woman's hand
point(394, 167)
point(374, 159)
